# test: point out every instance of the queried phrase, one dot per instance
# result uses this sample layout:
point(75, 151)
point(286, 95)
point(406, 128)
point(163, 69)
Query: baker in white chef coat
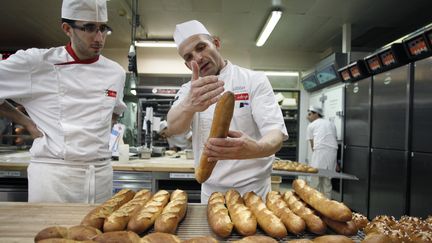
point(176, 141)
point(321, 134)
point(257, 129)
point(71, 94)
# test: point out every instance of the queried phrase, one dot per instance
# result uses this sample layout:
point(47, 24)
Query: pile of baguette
point(123, 217)
point(383, 229)
point(304, 209)
point(288, 165)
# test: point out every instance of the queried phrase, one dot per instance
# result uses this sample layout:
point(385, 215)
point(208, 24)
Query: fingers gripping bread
point(146, 216)
point(278, 206)
point(314, 223)
point(269, 222)
point(244, 221)
point(96, 217)
point(221, 121)
point(119, 219)
point(217, 215)
point(329, 208)
point(173, 213)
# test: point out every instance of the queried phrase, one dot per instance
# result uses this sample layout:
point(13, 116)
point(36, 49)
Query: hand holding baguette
point(221, 121)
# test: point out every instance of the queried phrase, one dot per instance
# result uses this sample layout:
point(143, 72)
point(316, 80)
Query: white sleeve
point(265, 110)
point(120, 105)
point(309, 132)
point(15, 75)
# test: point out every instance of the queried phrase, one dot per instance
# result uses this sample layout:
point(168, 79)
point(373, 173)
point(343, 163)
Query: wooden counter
point(20, 161)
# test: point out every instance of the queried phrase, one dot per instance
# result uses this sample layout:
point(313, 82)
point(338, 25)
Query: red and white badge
point(111, 93)
point(241, 96)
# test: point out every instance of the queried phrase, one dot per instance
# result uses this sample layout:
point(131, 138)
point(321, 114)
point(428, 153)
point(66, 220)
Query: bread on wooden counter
point(97, 216)
point(217, 215)
point(78, 232)
point(119, 219)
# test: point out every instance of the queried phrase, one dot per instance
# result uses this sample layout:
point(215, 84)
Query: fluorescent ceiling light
point(274, 73)
point(268, 27)
point(155, 43)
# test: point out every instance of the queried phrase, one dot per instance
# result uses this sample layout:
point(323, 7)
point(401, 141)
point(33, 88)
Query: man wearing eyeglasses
point(72, 95)
point(321, 134)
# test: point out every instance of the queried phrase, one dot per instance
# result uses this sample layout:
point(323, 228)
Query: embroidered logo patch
point(111, 93)
point(241, 96)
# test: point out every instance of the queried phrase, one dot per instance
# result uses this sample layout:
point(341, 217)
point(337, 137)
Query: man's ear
point(67, 29)
point(217, 42)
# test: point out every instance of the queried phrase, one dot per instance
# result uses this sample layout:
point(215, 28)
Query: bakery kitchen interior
point(348, 81)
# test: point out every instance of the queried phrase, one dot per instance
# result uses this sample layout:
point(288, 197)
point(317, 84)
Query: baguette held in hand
point(220, 126)
point(330, 208)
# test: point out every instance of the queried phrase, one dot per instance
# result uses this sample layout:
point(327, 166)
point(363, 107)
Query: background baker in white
point(71, 94)
point(321, 134)
point(257, 129)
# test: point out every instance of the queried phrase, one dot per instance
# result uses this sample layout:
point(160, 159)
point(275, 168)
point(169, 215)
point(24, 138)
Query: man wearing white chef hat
point(257, 128)
point(72, 95)
point(321, 134)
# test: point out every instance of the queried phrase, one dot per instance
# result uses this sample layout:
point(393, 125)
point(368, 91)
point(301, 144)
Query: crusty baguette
point(269, 222)
point(332, 239)
point(173, 213)
point(61, 240)
point(244, 221)
point(51, 232)
point(294, 223)
point(160, 237)
point(330, 208)
point(201, 239)
point(118, 219)
point(118, 236)
point(343, 228)
point(145, 217)
point(314, 223)
point(96, 217)
point(300, 241)
point(221, 121)
point(78, 232)
point(217, 215)
point(256, 239)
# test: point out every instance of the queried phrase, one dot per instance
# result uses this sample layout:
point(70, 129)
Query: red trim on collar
point(76, 58)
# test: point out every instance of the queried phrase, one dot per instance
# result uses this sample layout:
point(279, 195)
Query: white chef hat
point(188, 29)
point(316, 109)
point(85, 10)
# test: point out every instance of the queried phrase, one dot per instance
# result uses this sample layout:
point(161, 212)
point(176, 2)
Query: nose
point(99, 36)
point(197, 57)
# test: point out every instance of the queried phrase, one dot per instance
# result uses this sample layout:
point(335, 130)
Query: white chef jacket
point(323, 134)
point(180, 141)
point(72, 103)
point(256, 112)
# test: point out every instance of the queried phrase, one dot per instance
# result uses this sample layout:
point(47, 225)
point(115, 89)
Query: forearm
point(179, 119)
point(9, 111)
point(270, 143)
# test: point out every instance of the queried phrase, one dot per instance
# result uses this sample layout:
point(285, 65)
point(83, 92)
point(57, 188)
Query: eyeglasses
point(93, 29)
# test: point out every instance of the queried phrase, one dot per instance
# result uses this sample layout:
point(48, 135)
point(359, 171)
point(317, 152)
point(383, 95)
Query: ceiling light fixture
point(268, 27)
point(155, 43)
